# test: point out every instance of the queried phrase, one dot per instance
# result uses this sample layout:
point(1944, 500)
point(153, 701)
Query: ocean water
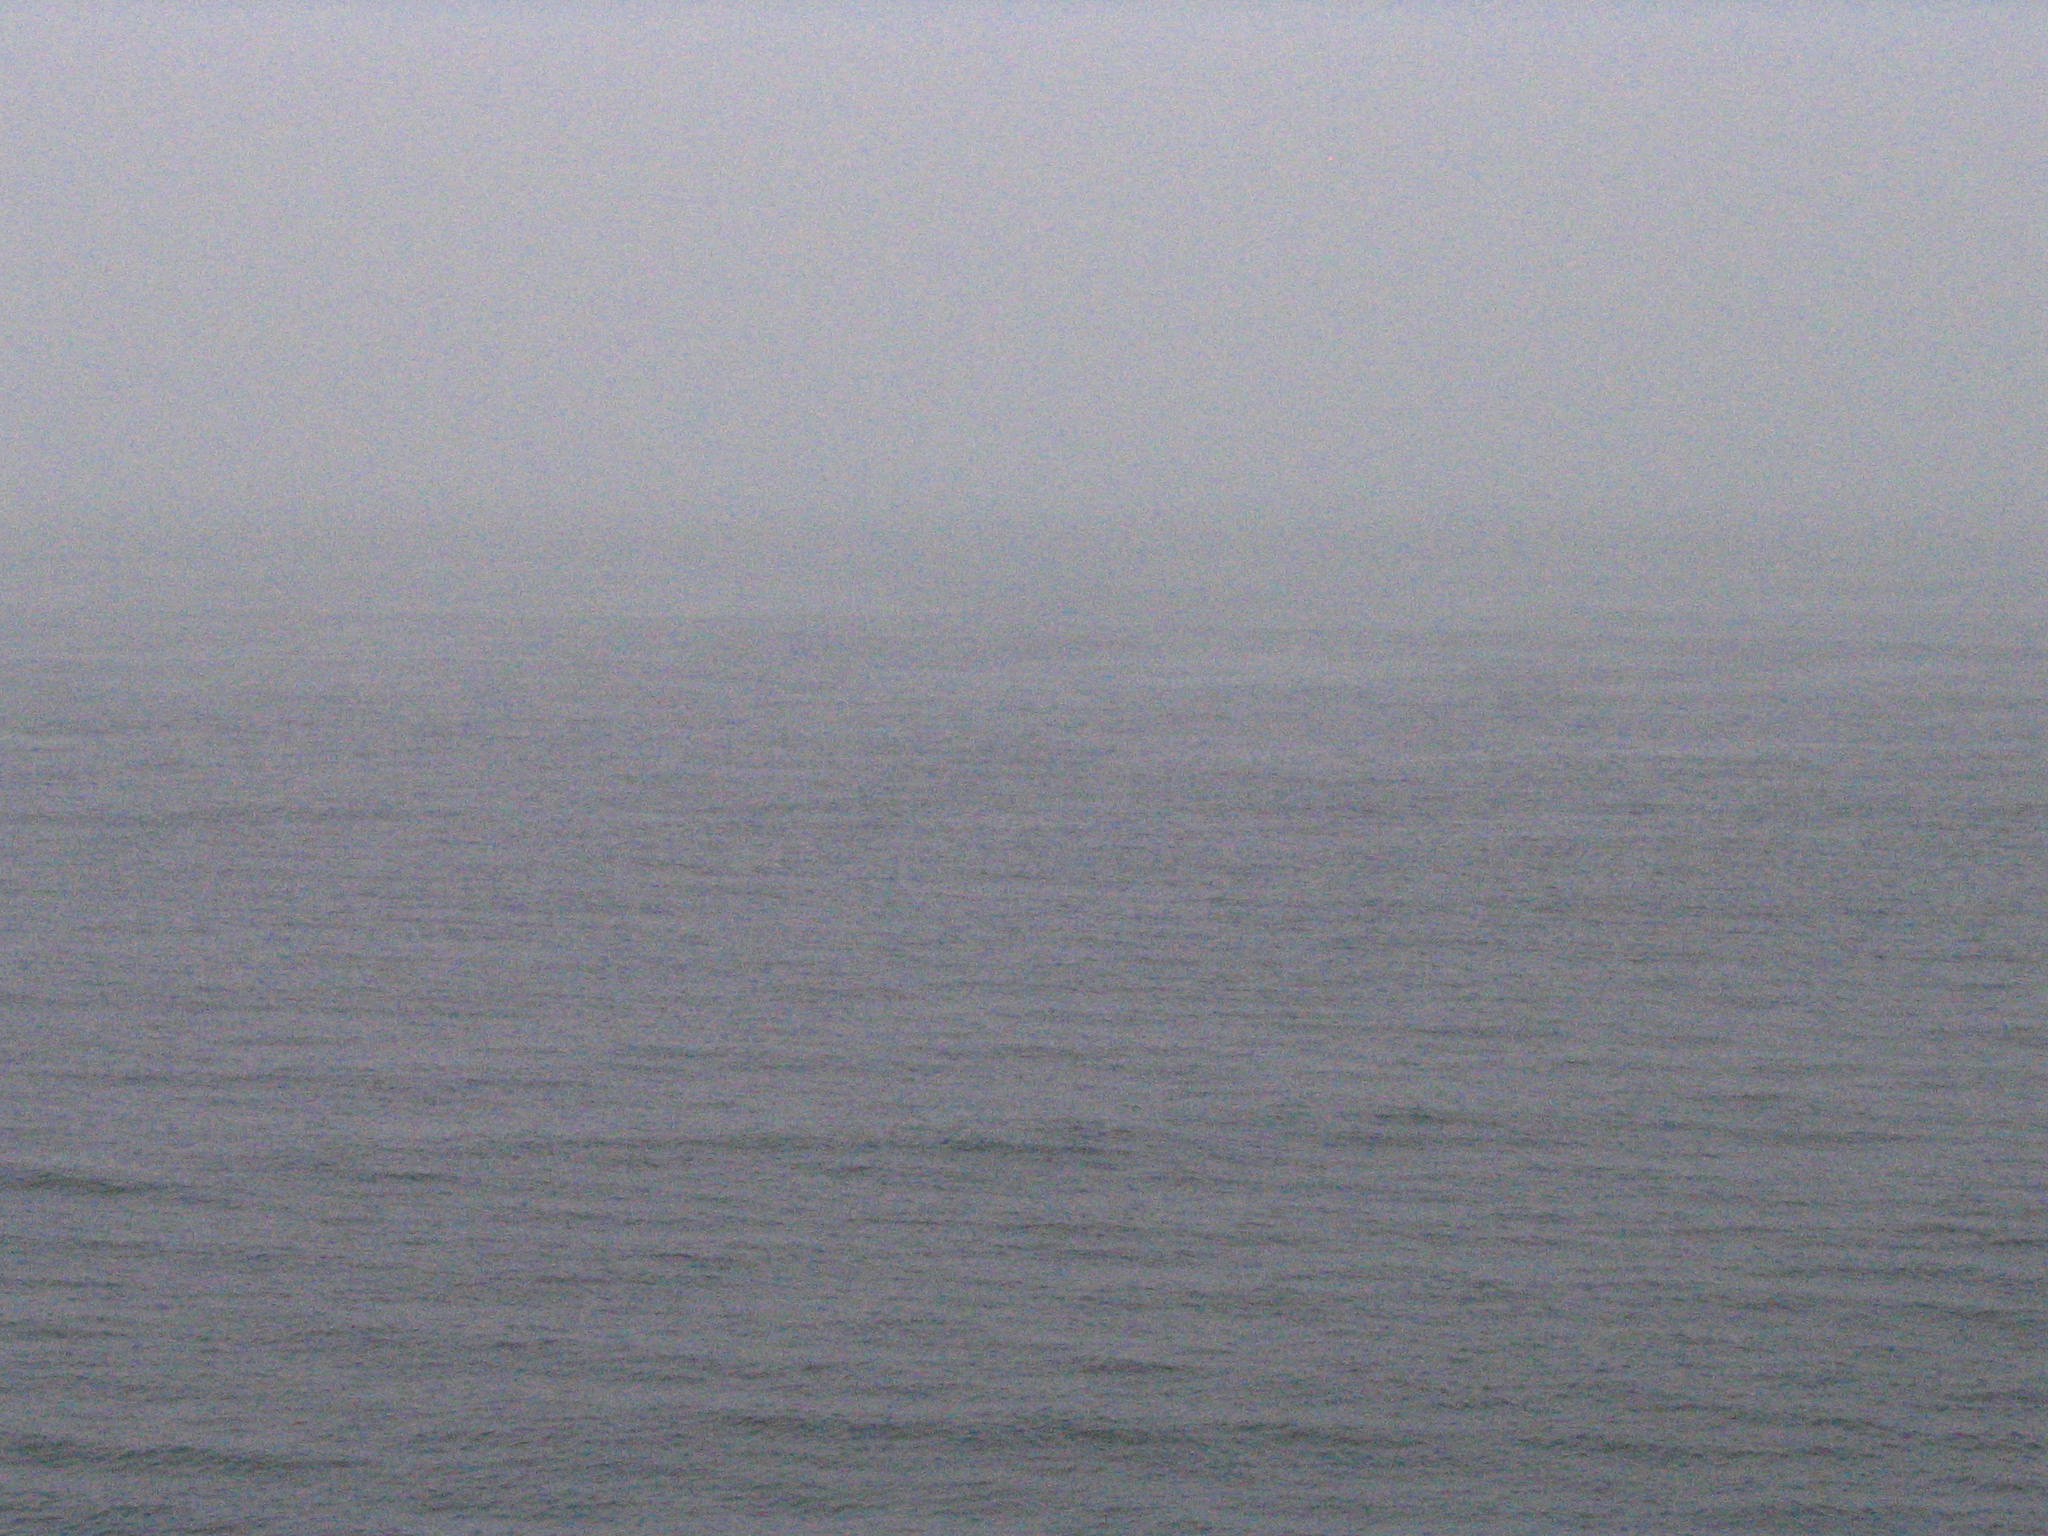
point(532, 1077)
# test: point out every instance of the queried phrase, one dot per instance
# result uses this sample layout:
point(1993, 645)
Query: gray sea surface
point(465, 1076)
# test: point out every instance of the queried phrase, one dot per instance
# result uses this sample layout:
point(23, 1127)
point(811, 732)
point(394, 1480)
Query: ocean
point(466, 1075)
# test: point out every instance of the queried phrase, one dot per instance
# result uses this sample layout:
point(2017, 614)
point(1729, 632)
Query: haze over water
point(1033, 771)
point(1458, 311)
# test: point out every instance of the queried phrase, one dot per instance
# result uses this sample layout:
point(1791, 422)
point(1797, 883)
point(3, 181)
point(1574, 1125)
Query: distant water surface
point(470, 1077)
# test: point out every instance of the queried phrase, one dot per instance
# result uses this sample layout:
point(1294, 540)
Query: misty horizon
point(1304, 310)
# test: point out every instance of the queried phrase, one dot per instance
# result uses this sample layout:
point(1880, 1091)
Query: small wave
point(1415, 1126)
point(652, 1151)
point(1119, 1365)
point(252, 815)
point(56, 1453)
point(1194, 1442)
point(1820, 1140)
point(1691, 1453)
point(72, 1181)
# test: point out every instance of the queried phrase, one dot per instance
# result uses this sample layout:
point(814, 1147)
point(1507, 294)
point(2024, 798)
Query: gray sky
point(1289, 304)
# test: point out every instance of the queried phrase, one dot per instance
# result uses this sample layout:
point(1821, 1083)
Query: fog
point(1281, 309)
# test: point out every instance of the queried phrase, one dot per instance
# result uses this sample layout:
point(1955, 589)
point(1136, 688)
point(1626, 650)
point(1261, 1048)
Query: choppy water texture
point(502, 1078)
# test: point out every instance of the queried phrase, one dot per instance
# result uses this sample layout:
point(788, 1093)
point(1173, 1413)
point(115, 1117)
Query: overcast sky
point(937, 305)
